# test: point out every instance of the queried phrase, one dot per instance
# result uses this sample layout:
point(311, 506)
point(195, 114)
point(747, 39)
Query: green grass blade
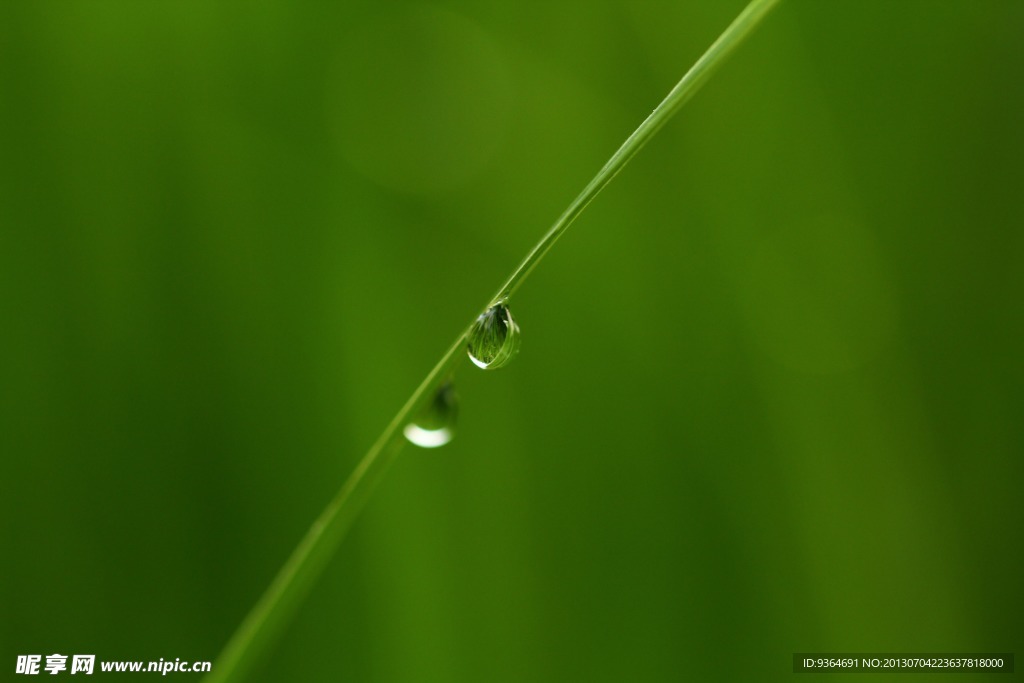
point(272, 612)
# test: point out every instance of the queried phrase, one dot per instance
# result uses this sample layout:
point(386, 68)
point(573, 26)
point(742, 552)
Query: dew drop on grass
point(494, 339)
point(435, 424)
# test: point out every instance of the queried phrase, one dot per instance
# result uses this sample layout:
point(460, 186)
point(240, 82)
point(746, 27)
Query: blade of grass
point(271, 613)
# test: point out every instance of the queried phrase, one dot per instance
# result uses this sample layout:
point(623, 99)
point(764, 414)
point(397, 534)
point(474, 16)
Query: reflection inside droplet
point(494, 339)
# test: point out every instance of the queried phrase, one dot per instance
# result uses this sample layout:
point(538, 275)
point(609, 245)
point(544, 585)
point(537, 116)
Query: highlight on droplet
point(427, 438)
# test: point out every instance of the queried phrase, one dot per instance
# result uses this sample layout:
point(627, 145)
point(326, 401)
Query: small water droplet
point(494, 339)
point(435, 425)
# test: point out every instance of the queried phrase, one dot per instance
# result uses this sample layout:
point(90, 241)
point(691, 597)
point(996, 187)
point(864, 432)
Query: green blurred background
point(769, 398)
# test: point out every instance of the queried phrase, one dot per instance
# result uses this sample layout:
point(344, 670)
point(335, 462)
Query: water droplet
point(435, 425)
point(494, 339)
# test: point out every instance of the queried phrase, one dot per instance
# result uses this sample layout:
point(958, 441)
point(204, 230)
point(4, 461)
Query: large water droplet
point(494, 339)
point(435, 424)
